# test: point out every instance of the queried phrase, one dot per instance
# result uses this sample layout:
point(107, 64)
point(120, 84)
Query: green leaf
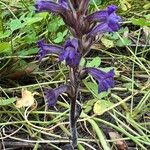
point(88, 106)
point(141, 22)
point(82, 62)
point(32, 20)
point(5, 34)
point(15, 24)
point(97, 2)
point(28, 52)
point(107, 43)
point(65, 33)
point(5, 47)
point(59, 38)
point(94, 63)
point(125, 5)
point(100, 106)
point(146, 6)
point(123, 43)
point(8, 101)
point(53, 26)
point(147, 16)
point(30, 38)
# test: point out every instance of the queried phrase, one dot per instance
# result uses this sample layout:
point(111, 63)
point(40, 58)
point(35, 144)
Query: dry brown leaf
point(27, 99)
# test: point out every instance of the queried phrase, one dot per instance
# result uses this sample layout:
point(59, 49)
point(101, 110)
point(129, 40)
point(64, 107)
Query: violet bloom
point(52, 95)
point(109, 20)
point(50, 6)
point(45, 49)
point(69, 52)
point(105, 80)
point(71, 12)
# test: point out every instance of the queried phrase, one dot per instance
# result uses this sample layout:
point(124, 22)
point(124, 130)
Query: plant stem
point(73, 106)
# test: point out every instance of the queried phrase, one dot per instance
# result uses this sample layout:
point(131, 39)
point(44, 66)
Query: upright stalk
point(73, 106)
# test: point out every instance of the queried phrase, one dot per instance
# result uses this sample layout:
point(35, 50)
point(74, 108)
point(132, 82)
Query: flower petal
point(111, 9)
point(102, 15)
point(97, 16)
point(52, 95)
point(45, 49)
point(105, 80)
point(70, 53)
point(108, 18)
point(100, 28)
point(42, 5)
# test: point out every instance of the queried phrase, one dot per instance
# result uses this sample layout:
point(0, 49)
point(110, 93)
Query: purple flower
point(50, 6)
point(52, 95)
point(70, 53)
point(105, 80)
point(45, 49)
point(61, 8)
point(108, 18)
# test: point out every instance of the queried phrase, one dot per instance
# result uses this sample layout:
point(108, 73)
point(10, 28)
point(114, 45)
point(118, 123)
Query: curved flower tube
point(52, 95)
point(45, 49)
point(50, 6)
point(105, 80)
point(69, 52)
point(109, 20)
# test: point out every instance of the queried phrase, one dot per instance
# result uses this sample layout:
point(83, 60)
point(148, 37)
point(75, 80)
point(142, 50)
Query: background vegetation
point(119, 119)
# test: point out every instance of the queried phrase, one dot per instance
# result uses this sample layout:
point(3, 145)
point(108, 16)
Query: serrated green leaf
point(4, 102)
point(100, 106)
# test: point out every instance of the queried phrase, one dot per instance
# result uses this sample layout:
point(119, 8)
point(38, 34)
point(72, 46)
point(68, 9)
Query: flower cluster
point(84, 27)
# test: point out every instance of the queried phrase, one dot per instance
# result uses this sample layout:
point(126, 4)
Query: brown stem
point(73, 106)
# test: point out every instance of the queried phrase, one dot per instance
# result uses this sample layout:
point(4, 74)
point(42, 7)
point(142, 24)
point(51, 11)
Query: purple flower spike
point(50, 6)
point(108, 18)
point(70, 53)
point(47, 49)
point(105, 80)
point(52, 95)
